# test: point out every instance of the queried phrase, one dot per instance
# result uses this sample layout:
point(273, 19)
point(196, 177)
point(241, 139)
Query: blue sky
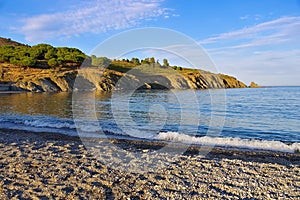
point(254, 40)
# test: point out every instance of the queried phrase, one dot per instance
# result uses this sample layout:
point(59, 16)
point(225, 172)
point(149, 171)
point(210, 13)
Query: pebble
point(59, 170)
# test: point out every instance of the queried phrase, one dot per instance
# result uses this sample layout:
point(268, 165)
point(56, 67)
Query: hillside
point(91, 78)
point(7, 41)
point(31, 69)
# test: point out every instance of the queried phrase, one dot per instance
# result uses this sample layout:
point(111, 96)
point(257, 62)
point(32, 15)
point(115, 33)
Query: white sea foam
point(48, 124)
point(230, 142)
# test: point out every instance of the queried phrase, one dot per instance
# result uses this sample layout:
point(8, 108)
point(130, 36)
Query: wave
point(38, 121)
point(38, 124)
point(97, 129)
point(41, 123)
point(230, 142)
point(84, 128)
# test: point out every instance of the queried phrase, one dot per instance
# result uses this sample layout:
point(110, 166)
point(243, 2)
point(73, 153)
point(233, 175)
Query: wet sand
point(54, 166)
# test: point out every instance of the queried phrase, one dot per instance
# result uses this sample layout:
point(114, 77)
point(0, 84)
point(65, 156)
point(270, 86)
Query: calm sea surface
point(267, 118)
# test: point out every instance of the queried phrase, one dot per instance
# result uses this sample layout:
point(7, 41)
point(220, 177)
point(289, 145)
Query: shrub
point(53, 62)
point(27, 62)
point(165, 62)
point(100, 61)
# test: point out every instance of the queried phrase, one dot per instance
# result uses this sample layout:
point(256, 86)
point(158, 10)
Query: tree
point(145, 61)
point(51, 53)
point(70, 57)
point(21, 51)
point(6, 52)
point(100, 61)
point(43, 53)
point(13, 60)
point(152, 60)
point(39, 51)
point(52, 62)
point(165, 62)
point(27, 62)
point(135, 61)
point(23, 61)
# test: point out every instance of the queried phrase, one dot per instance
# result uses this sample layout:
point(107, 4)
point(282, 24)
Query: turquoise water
point(246, 118)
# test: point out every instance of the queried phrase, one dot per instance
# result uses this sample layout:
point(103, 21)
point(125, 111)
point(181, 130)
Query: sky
point(253, 40)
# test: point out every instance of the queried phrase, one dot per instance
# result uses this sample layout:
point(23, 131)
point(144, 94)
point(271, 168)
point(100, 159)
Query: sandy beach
point(53, 166)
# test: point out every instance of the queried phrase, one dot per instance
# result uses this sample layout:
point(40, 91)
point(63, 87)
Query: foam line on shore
point(230, 142)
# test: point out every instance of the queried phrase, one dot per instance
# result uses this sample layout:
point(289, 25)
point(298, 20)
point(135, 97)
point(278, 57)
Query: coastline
point(44, 165)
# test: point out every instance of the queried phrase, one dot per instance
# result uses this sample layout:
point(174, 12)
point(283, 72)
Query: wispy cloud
point(256, 17)
point(267, 52)
point(244, 17)
point(278, 31)
point(94, 16)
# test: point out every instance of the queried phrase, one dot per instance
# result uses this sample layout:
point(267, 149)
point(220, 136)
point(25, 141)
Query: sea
point(250, 118)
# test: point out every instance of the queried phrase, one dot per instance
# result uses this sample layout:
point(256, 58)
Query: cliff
point(44, 68)
point(91, 78)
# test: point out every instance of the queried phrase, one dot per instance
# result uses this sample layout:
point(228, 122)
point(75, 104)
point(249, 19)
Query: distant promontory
point(44, 68)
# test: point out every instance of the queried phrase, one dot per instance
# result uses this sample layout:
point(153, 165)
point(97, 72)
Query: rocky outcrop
point(49, 80)
point(61, 83)
point(198, 80)
point(254, 85)
point(232, 82)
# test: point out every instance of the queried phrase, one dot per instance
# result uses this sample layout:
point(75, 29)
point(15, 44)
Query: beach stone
point(38, 168)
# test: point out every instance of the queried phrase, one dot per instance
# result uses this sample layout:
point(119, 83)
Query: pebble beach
point(53, 166)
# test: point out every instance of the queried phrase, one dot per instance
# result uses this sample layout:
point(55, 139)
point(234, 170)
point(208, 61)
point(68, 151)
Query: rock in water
point(254, 85)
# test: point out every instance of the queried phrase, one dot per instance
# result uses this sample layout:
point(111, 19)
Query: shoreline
point(43, 165)
point(11, 92)
point(154, 143)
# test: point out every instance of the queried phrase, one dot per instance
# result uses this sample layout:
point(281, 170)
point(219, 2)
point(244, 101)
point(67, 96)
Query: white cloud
point(268, 53)
point(93, 16)
point(278, 29)
point(269, 67)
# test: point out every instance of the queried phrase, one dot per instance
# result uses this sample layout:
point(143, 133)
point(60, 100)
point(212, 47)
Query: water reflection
point(56, 104)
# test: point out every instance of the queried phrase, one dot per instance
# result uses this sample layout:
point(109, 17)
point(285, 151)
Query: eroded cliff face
point(49, 80)
point(232, 82)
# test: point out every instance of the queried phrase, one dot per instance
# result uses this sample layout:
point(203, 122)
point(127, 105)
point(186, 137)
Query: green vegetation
point(166, 63)
point(123, 65)
point(146, 66)
point(135, 61)
point(100, 61)
point(45, 56)
point(52, 62)
point(26, 56)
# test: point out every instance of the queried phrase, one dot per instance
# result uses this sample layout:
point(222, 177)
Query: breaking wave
point(97, 128)
point(230, 142)
point(59, 125)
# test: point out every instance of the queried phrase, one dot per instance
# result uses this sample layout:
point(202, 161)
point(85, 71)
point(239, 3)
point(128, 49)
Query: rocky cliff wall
point(47, 80)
